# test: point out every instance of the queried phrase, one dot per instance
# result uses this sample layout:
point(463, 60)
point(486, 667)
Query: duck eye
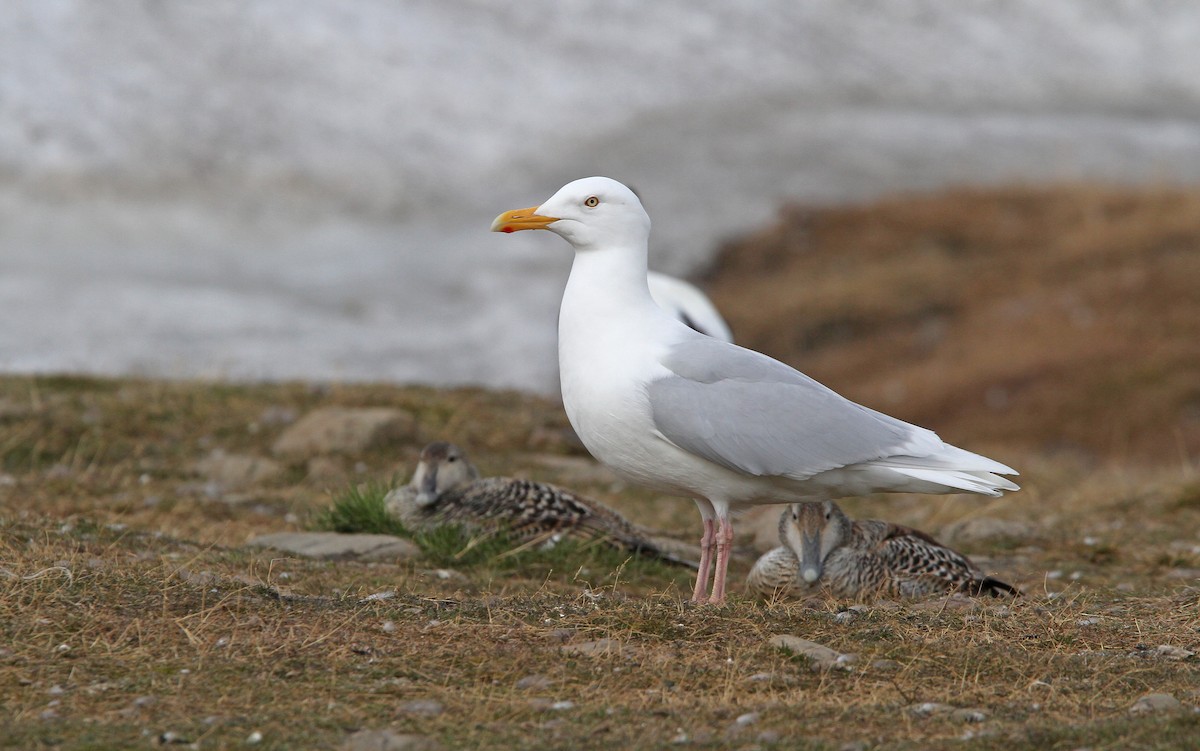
point(592, 202)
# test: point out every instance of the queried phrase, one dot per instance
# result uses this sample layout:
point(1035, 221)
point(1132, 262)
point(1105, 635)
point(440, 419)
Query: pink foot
point(724, 545)
point(700, 592)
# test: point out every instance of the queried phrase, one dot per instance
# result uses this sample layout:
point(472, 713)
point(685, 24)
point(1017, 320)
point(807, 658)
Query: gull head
point(590, 213)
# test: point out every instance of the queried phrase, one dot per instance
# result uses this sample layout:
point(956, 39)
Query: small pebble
point(424, 707)
point(254, 738)
point(1169, 652)
point(968, 715)
point(1155, 703)
point(533, 682)
point(562, 706)
point(929, 709)
point(389, 627)
point(746, 719)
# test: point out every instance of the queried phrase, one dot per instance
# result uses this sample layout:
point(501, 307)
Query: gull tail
point(955, 468)
point(984, 483)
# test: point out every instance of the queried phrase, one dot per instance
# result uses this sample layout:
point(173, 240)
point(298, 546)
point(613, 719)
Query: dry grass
point(122, 621)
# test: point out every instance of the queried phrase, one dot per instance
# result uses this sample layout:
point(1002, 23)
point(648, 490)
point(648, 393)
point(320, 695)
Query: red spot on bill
point(507, 229)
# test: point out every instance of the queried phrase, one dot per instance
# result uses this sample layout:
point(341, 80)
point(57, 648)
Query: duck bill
point(810, 558)
point(427, 489)
point(519, 219)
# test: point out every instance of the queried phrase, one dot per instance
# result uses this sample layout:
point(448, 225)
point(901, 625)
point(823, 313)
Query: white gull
point(690, 415)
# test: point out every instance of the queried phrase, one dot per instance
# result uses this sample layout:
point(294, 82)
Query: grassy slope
point(1064, 319)
point(118, 573)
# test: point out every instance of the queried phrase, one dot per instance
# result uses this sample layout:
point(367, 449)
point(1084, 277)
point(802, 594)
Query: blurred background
point(292, 189)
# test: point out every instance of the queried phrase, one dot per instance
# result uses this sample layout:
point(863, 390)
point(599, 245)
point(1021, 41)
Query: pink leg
point(724, 545)
point(700, 593)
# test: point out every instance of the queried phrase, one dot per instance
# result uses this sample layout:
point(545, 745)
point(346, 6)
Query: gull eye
point(591, 202)
point(452, 458)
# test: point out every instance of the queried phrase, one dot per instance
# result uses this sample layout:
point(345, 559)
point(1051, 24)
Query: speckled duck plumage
point(823, 548)
point(447, 489)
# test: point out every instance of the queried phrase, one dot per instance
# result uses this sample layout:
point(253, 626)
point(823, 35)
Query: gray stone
point(820, 656)
point(235, 471)
point(598, 648)
point(1155, 703)
point(332, 430)
point(338, 546)
point(387, 740)
point(533, 682)
point(425, 707)
point(929, 709)
point(968, 715)
point(1171, 652)
point(988, 529)
point(762, 524)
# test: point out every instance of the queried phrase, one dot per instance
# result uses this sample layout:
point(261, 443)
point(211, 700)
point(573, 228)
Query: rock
point(952, 602)
point(332, 430)
point(560, 635)
point(958, 714)
point(885, 665)
point(987, 529)
point(1155, 703)
point(533, 682)
point(1173, 653)
point(235, 471)
point(968, 715)
point(387, 740)
point(424, 707)
point(575, 470)
point(598, 648)
point(820, 656)
point(929, 709)
point(338, 546)
point(324, 468)
point(762, 523)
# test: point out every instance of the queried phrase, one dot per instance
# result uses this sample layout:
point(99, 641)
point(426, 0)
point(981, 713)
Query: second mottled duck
point(822, 547)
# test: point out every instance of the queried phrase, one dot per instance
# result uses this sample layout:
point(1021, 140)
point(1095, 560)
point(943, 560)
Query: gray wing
point(749, 413)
